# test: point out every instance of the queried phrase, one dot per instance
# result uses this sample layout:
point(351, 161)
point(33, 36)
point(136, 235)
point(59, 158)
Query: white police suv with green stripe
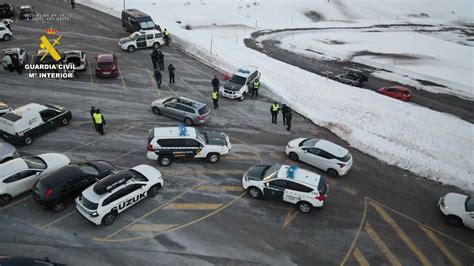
point(286, 183)
point(103, 201)
point(166, 144)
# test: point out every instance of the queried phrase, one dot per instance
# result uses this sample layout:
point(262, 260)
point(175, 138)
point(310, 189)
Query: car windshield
point(309, 142)
point(204, 110)
point(201, 136)
point(147, 25)
point(35, 162)
point(322, 187)
point(271, 172)
point(88, 169)
point(238, 80)
point(134, 35)
point(105, 65)
point(345, 158)
point(88, 204)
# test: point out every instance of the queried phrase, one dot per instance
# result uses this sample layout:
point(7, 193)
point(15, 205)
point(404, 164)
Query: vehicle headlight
point(442, 204)
point(94, 214)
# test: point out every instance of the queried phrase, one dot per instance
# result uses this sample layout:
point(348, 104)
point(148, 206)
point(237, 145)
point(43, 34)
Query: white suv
point(103, 201)
point(286, 183)
point(320, 153)
point(240, 83)
point(142, 39)
point(168, 143)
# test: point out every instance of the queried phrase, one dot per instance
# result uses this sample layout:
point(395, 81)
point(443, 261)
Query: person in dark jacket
point(158, 78)
point(73, 4)
point(284, 110)
point(274, 108)
point(16, 63)
point(154, 58)
point(171, 72)
point(215, 83)
point(161, 60)
point(289, 116)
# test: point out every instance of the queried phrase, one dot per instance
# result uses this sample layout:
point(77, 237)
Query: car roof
point(148, 31)
point(246, 71)
point(61, 175)
point(135, 12)
point(105, 58)
point(12, 166)
point(189, 102)
point(332, 148)
point(398, 88)
point(29, 108)
point(25, 6)
point(300, 175)
point(173, 132)
point(11, 50)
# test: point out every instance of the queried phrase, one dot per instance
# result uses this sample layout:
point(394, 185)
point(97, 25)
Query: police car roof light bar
point(182, 130)
point(241, 70)
point(291, 171)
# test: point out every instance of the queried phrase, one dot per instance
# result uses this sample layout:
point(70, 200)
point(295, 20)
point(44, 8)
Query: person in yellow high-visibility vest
point(99, 121)
point(274, 109)
point(215, 98)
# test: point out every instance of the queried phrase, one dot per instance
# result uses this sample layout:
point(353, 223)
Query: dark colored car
point(48, 59)
point(397, 92)
point(22, 261)
point(26, 12)
point(135, 20)
point(106, 66)
point(52, 191)
point(7, 10)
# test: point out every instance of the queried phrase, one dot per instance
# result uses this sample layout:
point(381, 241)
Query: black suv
point(53, 190)
point(7, 10)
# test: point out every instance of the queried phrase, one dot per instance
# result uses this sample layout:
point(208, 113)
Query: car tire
point(59, 207)
point(293, 156)
point(165, 160)
point(213, 157)
point(28, 140)
point(254, 192)
point(332, 172)
point(242, 98)
point(156, 110)
point(109, 219)
point(5, 199)
point(188, 121)
point(153, 191)
point(156, 45)
point(6, 37)
point(453, 220)
point(304, 206)
point(131, 48)
point(64, 121)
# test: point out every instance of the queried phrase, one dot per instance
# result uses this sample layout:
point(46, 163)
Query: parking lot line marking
point(356, 237)
point(153, 81)
point(121, 77)
point(289, 217)
point(151, 227)
point(14, 203)
point(359, 257)
point(148, 214)
point(99, 138)
point(382, 246)
point(217, 188)
point(59, 219)
point(426, 226)
point(402, 234)
point(445, 250)
point(236, 156)
point(125, 154)
point(166, 85)
point(90, 71)
point(192, 206)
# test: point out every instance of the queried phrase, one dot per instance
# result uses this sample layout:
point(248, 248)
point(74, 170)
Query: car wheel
point(131, 48)
point(293, 156)
point(156, 110)
point(153, 191)
point(453, 220)
point(188, 121)
point(64, 121)
point(254, 192)
point(6, 37)
point(165, 160)
point(58, 207)
point(332, 173)
point(109, 219)
point(28, 140)
point(156, 45)
point(213, 157)
point(241, 98)
point(5, 199)
point(304, 207)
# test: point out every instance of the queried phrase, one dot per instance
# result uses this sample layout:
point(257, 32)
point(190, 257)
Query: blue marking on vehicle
point(183, 131)
point(244, 71)
point(291, 171)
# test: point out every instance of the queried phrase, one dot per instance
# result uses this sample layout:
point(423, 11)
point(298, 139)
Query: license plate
point(106, 73)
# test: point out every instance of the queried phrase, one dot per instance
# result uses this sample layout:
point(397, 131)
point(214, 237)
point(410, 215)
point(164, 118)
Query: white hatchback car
point(458, 209)
point(19, 175)
point(322, 154)
point(5, 33)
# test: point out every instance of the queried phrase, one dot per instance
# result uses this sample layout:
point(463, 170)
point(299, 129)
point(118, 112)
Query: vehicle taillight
point(48, 193)
point(321, 197)
point(82, 62)
point(341, 165)
point(200, 117)
point(149, 147)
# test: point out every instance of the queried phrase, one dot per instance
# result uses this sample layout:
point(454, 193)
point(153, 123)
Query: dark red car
point(106, 66)
point(397, 92)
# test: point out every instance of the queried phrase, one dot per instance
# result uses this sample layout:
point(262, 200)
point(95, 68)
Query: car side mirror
point(38, 173)
point(305, 151)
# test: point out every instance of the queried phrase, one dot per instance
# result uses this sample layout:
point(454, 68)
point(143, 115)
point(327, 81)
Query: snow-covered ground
point(429, 143)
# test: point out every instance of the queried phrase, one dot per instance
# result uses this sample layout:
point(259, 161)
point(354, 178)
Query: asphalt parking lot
point(377, 214)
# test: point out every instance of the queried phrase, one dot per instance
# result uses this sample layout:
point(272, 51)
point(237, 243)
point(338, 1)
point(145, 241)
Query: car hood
point(125, 40)
point(295, 143)
point(455, 203)
point(55, 160)
point(232, 86)
point(216, 138)
point(6, 149)
point(255, 172)
point(159, 101)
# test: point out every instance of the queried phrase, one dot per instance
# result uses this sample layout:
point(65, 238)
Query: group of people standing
point(286, 112)
point(13, 63)
point(158, 60)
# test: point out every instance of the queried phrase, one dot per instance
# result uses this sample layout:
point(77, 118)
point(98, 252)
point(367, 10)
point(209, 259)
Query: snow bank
point(429, 143)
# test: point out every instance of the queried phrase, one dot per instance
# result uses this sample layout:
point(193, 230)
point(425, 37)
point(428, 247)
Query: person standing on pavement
point(99, 121)
point(215, 83)
point(255, 87)
point(8, 61)
point(158, 77)
point(171, 72)
point(161, 60)
point(166, 36)
point(215, 98)
point(289, 116)
point(154, 58)
point(73, 4)
point(284, 110)
point(274, 111)
point(16, 63)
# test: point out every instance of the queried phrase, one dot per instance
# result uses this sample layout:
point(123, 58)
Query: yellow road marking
point(217, 188)
point(446, 252)
point(349, 190)
point(362, 220)
point(359, 257)
point(402, 234)
point(382, 246)
point(151, 227)
point(192, 206)
point(289, 217)
point(59, 219)
point(154, 82)
point(123, 81)
point(14, 203)
point(148, 213)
